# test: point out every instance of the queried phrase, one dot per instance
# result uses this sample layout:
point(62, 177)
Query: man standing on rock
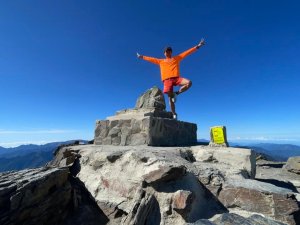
point(170, 74)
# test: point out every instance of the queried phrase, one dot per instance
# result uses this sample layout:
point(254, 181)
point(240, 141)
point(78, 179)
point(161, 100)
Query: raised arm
point(149, 59)
point(191, 50)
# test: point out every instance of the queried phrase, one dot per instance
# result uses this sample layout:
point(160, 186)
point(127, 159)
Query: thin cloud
point(18, 143)
point(251, 138)
point(263, 138)
point(52, 131)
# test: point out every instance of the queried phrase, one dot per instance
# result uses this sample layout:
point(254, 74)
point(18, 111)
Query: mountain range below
point(276, 152)
point(28, 156)
point(32, 156)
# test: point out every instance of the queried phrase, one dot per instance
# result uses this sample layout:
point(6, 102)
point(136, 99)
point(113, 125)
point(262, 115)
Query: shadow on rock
point(278, 183)
point(273, 165)
point(75, 168)
point(153, 217)
point(145, 210)
point(85, 209)
point(190, 198)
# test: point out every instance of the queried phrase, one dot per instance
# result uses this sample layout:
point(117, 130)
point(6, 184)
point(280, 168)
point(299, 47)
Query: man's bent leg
point(172, 105)
point(185, 85)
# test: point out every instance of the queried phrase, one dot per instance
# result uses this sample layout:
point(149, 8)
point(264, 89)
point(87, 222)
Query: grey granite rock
point(277, 203)
point(164, 173)
point(107, 184)
point(152, 98)
point(114, 156)
point(274, 173)
point(147, 124)
point(234, 161)
point(234, 219)
point(182, 201)
point(34, 196)
point(293, 165)
point(145, 210)
point(149, 130)
point(64, 156)
point(112, 174)
point(169, 132)
point(261, 220)
point(202, 222)
point(144, 184)
point(46, 196)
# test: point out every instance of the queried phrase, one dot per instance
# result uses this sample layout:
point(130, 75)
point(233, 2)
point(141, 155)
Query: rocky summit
point(127, 178)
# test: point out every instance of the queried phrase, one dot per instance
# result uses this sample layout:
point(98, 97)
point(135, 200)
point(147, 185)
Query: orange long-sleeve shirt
point(169, 67)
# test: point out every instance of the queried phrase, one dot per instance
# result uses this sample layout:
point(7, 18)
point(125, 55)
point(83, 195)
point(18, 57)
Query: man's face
point(168, 53)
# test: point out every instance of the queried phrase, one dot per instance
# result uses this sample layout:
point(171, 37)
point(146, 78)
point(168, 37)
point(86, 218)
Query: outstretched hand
point(138, 55)
point(201, 43)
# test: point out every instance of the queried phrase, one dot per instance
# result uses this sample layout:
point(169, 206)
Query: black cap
point(168, 49)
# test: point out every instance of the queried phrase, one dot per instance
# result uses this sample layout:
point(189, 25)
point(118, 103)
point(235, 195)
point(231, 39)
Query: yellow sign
point(218, 135)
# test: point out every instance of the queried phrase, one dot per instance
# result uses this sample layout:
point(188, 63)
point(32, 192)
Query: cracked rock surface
point(104, 184)
point(178, 185)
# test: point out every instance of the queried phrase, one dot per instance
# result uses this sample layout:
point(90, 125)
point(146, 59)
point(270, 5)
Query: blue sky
point(64, 64)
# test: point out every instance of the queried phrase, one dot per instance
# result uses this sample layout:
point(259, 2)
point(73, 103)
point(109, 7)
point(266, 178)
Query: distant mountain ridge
point(28, 156)
point(278, 152)
point(31, 160)
point(283, 147)
point(25, 149)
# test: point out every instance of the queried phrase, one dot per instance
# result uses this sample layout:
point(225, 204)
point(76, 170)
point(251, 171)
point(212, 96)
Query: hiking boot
point(174, 98)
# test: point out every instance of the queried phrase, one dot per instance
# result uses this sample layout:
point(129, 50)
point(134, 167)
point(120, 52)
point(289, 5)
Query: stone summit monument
point(148, 123)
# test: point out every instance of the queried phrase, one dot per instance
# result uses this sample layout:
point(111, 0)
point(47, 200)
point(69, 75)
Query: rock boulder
point(293, 165)
point(151, 99)
point(34, 196)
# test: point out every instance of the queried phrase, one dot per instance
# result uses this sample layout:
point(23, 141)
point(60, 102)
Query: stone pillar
point(218, 137)
point(147, 124)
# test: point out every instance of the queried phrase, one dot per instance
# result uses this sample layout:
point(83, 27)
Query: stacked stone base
point(146, 124)
point(153, 131)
